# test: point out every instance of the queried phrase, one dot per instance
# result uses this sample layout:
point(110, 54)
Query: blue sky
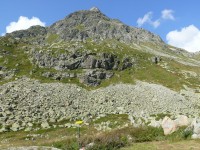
point(179, 26)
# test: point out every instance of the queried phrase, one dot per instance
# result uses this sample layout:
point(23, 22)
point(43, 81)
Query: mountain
point(81, 25)
point(93, 24)
point(89, 65)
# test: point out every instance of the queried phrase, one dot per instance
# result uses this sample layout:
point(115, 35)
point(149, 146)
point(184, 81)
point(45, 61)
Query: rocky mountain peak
point(89, 24)
point(95, 9)
point(93, 24)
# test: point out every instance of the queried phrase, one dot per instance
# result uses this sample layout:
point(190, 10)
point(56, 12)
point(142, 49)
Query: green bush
point(70, 144)
point(144, 134)
point(187, 134)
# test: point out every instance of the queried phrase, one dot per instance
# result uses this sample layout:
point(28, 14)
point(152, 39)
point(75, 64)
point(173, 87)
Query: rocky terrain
point(88, 66)
point(26, 101)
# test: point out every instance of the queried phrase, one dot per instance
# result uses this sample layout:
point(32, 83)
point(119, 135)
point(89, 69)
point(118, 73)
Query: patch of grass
point(80, 27)
point(143, 68)
point(108, 140)
point(51, 38)
point(42, 131)
point(115, 120)
point(144, 134)
point(69, 144)
point(178, 135)
point(65, 138)
point(160, 116)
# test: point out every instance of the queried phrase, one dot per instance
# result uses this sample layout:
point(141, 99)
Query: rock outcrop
point(168, 125)
point(94, 24)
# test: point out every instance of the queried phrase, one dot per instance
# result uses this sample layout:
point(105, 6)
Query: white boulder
point(182, 121)
point(45, 125)
point(168, 125)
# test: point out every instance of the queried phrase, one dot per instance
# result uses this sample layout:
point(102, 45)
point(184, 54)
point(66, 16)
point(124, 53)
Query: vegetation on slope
point(122, 134)
point(15, 57)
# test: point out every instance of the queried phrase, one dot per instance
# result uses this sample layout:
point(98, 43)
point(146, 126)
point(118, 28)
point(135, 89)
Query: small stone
point(15, 127)
point(28, 129)
point(30, 124)
point(195, 136)
point(68, 125)
point(45, 125)
point(155, 124)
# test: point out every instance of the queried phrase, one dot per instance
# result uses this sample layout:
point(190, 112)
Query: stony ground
point(26, 101)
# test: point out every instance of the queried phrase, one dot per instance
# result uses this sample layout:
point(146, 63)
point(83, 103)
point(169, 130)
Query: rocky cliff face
point(81, 26)
point(89, 24)
point(93, 24)
point(33, 35)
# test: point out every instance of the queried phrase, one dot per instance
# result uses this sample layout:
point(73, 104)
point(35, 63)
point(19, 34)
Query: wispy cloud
point(166, 14)
point(187, 38)
point(155, 23)
point(23, 23)
point(147, 18)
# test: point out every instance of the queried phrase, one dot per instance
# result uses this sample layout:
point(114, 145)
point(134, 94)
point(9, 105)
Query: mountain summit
point(94, 24)
point(91, 24)
point(95, 9)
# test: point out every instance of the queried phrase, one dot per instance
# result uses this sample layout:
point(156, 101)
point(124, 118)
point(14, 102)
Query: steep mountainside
point(90, 65)
point(87, 47)
point(93, 24)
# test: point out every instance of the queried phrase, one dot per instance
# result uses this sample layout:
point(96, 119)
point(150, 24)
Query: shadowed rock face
point(33, 35)
point(33, 31)
point(82, 61)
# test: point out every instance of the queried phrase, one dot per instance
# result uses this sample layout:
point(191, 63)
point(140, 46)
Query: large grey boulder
point(195, 127)
point(94, 77)
point(89, 62)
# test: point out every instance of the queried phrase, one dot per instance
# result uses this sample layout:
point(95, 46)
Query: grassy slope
point(166, 145)
point(143, 69)
point(121, 135)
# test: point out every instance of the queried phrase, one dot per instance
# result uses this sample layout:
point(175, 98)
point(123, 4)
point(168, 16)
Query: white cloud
point(155, 24)
point(23, 23)
point(148, 19)
point(187, 38)
point(168, 14)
